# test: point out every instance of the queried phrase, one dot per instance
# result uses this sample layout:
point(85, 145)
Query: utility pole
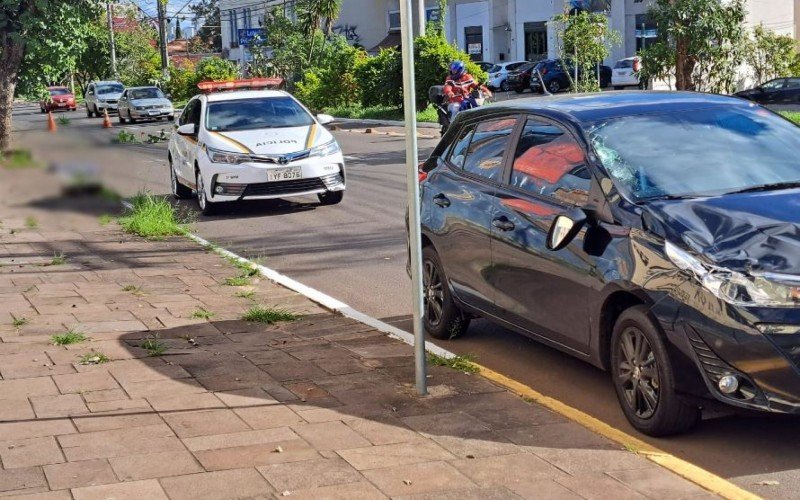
point(162, 35)
point(113, 49)
point(421, 17)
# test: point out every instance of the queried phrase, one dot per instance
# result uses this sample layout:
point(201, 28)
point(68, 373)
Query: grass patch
point(63, 120)
point(151, 217)
point(237, 281)
point(463, 363)
point(154, 346)
point(31, 222)
point(380, 113)
point(19, 322)
point(202, 313)
point(792, 115)
point(71, 336)
point(136, 290)
point(246, 294)
point(94, 358)
point(268, 315)
point(16, 159)
point(59, 259)
point(106, 219)
point(243, 278)
point(125, 137)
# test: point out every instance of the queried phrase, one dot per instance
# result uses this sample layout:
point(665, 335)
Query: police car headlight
point(219, 156)
point(327, 149)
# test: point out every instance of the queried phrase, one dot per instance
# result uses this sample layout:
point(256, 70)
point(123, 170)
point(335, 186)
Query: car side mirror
point(186, 129)
point(324, 119)
point(565, 228)
point(169, 96)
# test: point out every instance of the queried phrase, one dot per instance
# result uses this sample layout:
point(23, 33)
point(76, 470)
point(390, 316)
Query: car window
point(514, 66)
point(773, 84)
point(59, 91)
point(487, 147)
point(110, 88)
point(549, 161)
point(792, 83)
point(494, 69)
point(146, 93)
point(191, 113)
point(624, 64)
point(256, 113)
point(459, 150)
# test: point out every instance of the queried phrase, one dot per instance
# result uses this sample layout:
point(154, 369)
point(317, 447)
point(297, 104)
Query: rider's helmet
point(456, 69)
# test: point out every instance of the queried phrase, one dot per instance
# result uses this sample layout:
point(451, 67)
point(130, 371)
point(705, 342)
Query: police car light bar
point(251, 84)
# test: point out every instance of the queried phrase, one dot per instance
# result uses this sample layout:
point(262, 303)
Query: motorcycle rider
point(458, 89)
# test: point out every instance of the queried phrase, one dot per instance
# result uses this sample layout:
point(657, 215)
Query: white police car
point(238, 141)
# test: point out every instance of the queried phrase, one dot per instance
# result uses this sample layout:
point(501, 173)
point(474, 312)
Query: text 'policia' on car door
point(543, 291)
point(466, 198)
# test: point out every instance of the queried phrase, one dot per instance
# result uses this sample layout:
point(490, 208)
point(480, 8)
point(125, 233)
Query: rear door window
point(487, 148)
point(459, 150)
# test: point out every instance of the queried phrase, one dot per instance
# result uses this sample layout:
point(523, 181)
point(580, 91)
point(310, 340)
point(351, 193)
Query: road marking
point(703, 478)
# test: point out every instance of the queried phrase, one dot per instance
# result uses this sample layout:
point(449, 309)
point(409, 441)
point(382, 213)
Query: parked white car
point(626, 73)
point(498, 74)
point(144, 103)
point(253, 144)
point(102, 96)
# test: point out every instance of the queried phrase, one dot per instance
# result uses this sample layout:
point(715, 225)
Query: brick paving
point(321, 407)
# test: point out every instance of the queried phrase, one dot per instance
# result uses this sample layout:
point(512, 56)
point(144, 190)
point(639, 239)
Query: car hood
point(110, 96)
point(271, 141)
point(742, 232)
point(157, 101)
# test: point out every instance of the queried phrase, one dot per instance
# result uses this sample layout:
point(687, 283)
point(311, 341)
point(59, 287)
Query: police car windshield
point(249, 114)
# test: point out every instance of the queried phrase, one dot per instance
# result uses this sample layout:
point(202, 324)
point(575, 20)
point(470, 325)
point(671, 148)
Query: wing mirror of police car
point(324, 119)
point(565, 228)
point(186, 129)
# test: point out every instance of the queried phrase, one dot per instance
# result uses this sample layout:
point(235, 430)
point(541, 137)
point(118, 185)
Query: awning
point(392, 41)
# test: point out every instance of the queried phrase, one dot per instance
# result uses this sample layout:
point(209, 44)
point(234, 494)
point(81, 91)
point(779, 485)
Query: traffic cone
point(106, 119)
point(51, 123)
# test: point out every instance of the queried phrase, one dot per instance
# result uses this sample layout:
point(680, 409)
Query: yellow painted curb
point(703, 478)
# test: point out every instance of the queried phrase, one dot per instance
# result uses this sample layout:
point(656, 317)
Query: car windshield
point(494, 69)
point(148, 93)
point(702, 152)
point(111, 88)
point(624, 63)
point(59, 91)
point(248, 114)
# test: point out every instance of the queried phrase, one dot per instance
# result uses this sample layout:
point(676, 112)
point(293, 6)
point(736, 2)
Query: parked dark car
point(654, 235)
point(519, 79)
point(554, 74)
point(777, 91)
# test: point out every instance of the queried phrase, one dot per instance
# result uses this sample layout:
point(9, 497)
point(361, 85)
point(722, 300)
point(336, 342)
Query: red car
point(60, 98)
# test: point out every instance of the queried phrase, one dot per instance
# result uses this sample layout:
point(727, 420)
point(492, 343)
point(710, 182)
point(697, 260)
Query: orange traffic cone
point(51, 123)
point(106, 119)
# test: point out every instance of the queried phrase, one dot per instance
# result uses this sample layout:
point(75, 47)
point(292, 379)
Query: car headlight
point(753, 290)
point(139, 108)
point(219, 156)
point(327, 149)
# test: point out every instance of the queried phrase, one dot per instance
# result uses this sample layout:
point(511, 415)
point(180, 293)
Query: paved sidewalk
point(321, 407)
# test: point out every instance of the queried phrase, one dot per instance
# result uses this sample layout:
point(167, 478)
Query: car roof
point(232, 95)
point(583, 108)
point(142, 87)
point(103, 82)
point(57, 87)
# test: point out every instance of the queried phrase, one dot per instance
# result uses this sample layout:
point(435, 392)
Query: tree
point(37, 41)
point(209, 32)
point(178, 32)
point(770, 55)
point(584, 39)
point(701, 43)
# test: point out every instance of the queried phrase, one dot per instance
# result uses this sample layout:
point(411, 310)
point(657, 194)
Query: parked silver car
point(144, 103)
point(102, 96)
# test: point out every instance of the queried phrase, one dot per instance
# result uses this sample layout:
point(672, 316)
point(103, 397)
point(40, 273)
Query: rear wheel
point(554, 86)
point(88, 111)
point(519, 90)
point(643, 377)
point(331, 197)
point(504, 86)
point(121, 119)
point(442, 317)
point(131, 118)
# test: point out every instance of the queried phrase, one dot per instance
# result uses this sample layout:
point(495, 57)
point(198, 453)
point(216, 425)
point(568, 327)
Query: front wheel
point(442, 317)
point(206, 207)
point(519, 90)
point(120, 118)
point(554, 86)
point(643, 377)
point(331, 197)
point(88, 111)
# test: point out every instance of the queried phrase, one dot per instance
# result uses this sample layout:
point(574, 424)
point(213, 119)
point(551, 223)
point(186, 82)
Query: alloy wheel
point(638, 373)
point(433, 297)
point(201, 192)
point(173, 179)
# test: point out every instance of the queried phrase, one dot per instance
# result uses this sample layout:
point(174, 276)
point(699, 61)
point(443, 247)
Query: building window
point(535, 41)
point(394, 20)
point(646, 32)
point(432, 15)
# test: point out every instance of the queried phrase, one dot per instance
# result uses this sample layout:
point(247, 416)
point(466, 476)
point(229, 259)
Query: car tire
point(121, 119)
point(519, 90)
point(88, 111)
point(331, 197)
point(442, 318)
point(179, 191)
point(504, 86)
point(206, 207)
point(644, 379)
point(171, 118)
point(131, 118)
point(554, 86)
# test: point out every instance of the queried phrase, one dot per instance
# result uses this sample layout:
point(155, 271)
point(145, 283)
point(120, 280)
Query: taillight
point(421, 174)
point(543, 71)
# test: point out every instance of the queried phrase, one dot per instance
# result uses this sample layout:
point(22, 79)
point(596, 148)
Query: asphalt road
point(355, 252)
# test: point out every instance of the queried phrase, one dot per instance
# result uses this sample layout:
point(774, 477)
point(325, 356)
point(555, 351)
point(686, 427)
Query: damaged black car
point(655, 235)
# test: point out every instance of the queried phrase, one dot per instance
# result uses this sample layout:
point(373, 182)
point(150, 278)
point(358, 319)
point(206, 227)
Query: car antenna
point(541, 81)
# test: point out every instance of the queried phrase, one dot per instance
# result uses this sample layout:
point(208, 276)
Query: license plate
point(152, 113)
point(62, 104)
point(284, 174)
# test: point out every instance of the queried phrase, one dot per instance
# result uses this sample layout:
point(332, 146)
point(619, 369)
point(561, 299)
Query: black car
point(519, 79)
point(555, 77)
point(654, 235)
point(777, 91)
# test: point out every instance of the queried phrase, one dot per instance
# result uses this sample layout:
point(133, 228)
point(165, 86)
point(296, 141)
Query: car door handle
point(441, 200)
point(502, 223)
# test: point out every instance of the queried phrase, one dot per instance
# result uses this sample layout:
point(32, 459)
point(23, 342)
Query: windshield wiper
point(767, 187)
point(675, 197)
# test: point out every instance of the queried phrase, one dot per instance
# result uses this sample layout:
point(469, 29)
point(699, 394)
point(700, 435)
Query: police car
point(241, 140)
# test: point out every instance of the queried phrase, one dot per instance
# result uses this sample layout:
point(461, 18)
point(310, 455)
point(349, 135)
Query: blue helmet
point(456, 69)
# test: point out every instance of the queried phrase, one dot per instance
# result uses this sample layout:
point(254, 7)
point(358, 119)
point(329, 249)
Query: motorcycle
point(436, 97)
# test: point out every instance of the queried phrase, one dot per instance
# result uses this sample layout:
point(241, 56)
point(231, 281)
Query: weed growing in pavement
point(202, 313)
point(19, 158)
point(154, 346)
point(243, 278)
point(63, 120)
point(71, 336)
point(268, 315)
point(109, 194)
point(151, 217)
point(31, 222)
point(59, 259)
point(237, 281)
point(94, 358)
point(246, 294)
point(106, 219)
point(18, 322)
point(125, 137)
point(463, 363)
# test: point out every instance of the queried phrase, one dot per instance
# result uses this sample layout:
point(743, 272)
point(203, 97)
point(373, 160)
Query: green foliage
point(770, 55)
point(105, 219)
point(701, 44)
point(792, 115)
point(94, 358)
point(332, 82)
point(154, 345)
point(31, 222)
point(381, 113)
point(432, 58)
point(182, 84)
point(379, 79)
point(209, 33)
point(125, 137)
point(216, 68)
point(585, 39)
point(268, 315)
point(463, 363)
point(17, 159)
point(151, 217)
point(202, 313)
point(71, 336)
point(19, 322)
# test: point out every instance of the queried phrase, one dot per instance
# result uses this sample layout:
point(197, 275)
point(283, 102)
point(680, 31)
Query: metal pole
point(162, 36)
point(421, 15)
point(110, 19)
point(409, 104)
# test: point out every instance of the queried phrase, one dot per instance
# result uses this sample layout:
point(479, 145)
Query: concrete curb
point(385, 123)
